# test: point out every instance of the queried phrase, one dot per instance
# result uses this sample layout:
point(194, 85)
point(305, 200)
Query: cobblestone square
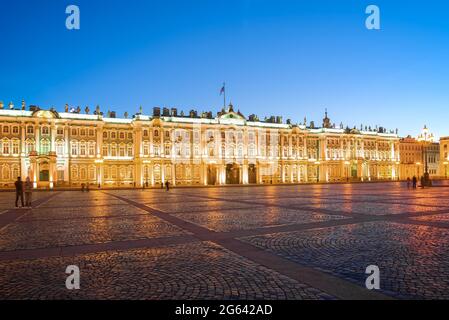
point(237, 243)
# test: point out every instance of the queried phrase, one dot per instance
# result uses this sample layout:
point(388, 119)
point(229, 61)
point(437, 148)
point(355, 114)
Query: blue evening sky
point(288, 58)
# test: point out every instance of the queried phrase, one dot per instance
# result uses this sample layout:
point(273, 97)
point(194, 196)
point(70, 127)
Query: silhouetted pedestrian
point(167, 185)
point(422, 182)
point(28, 192)
point(408, 183)
point(19, 191)
point(415, 182)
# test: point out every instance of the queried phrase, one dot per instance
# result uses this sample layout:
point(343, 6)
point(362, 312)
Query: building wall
point(68, 149)
point(444, 157)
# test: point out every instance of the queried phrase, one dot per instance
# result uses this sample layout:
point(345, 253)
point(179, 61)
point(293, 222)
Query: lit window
point(30, 130)
point(82, 149)
point(91, 149)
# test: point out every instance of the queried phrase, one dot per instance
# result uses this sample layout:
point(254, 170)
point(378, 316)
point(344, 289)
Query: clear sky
point(289, 58)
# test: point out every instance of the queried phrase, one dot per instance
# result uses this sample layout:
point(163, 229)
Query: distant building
point(71, 148)
point(416, 153)
point(411, 154)
point(444, 157)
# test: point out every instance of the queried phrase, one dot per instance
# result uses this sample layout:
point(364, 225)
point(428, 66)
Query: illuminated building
point(71, 148)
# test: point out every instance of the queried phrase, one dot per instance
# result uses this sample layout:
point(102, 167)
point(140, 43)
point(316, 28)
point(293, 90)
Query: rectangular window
point(82, 150)
point(91, 149)
point(74, 150)
point(105, 151)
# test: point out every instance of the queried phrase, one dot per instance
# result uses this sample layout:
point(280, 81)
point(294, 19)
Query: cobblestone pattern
point(54, 233)
point(412, 259)
point(159, 273)
point(256, 217)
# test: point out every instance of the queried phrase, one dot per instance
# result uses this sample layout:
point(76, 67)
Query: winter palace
point(67, 149)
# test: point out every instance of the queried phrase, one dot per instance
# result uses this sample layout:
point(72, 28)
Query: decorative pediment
point(46, 114)
point(232, 115)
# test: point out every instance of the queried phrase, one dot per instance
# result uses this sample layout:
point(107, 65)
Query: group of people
point(413, 183)
point(21, 189)
point(167, 185)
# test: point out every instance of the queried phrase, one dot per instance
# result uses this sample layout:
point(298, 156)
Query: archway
point(232, 174)
point(252, 174)
point(211, 175)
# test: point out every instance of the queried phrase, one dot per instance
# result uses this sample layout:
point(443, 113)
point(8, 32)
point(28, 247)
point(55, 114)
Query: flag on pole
point(222, 90)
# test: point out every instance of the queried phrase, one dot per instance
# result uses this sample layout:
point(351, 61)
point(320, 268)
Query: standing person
point(167, 185)
point(415, 181)
point(422, 182)
point(28, 192)
point(19, 191)
point(408, 182)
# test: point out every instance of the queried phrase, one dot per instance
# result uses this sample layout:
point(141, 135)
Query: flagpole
point(224, 94)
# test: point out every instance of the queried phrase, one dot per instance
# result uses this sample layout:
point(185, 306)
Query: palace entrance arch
point(232, 174)
point(211, 175)
point(252, 174)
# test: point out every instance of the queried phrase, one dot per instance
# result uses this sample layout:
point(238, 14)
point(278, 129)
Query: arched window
point(6, 147)
point(60, 148)
point(91, 148)
point(45, 146)
point(74, 170)
point(82, 149)
point(74, 148)
point(92, 172)
point(5, 173)
point(83, 173)
point(114, 150)
point(15, 147)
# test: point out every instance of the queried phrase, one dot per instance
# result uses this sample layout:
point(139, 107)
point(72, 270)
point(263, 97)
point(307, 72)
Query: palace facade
point(71, 148)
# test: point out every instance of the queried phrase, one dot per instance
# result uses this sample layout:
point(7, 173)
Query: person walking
point(28, 192)
point(415, 181)
point(167, 185)
point(19, 191)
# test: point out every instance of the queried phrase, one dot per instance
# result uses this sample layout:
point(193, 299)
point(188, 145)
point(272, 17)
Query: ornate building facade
point(444, 157)
point(418, 153)
point(70, 148)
